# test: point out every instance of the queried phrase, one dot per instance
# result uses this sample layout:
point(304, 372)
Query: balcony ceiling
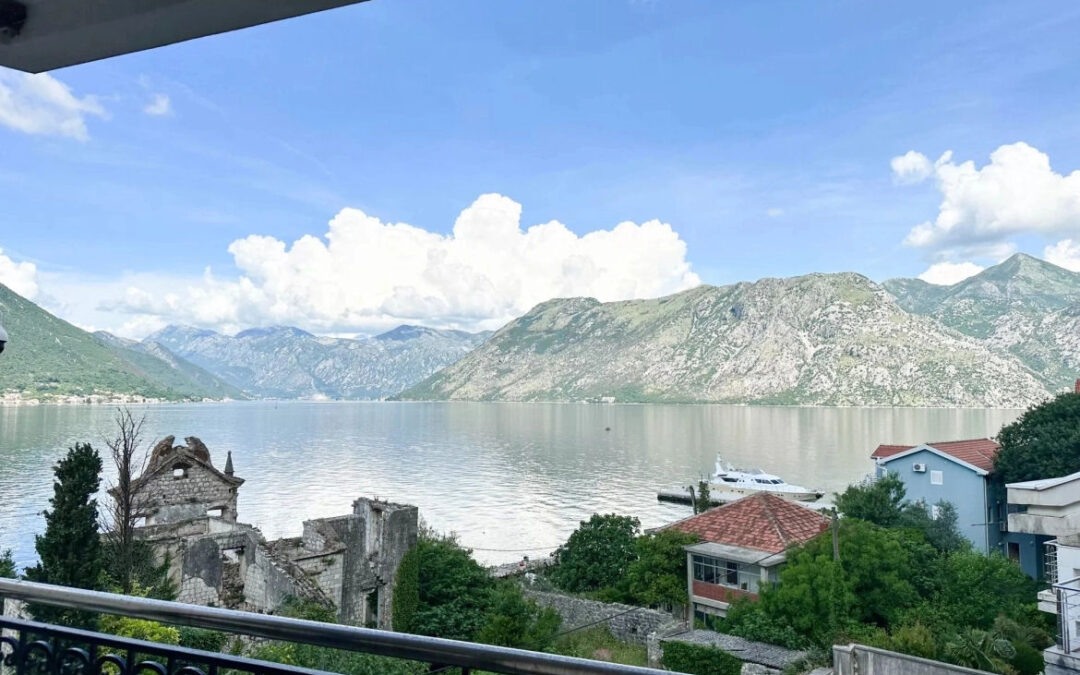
point(60, 33)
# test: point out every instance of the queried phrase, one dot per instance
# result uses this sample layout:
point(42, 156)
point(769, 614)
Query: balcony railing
point(33, 648)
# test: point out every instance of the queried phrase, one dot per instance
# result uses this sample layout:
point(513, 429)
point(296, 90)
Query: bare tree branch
point(127, 506)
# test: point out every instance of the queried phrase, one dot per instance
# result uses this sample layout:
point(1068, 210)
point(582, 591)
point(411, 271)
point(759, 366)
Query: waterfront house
point(957, 472)
point(742, 547)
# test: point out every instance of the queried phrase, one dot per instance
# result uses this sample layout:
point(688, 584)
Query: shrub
point(597, 554)
point(687, 658)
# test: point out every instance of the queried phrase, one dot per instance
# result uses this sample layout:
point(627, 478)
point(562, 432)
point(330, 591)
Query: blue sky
point(760, 132)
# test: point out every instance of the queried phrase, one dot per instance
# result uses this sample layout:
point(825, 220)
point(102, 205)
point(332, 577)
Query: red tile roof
point(977, 451)
point(762, 522)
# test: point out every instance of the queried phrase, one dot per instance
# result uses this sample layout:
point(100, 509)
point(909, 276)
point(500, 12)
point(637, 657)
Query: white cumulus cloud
point(949, 273)
point(41, 104)
point(911, 167)
point(159, 106)
point(1065, 253)
point(20, 277)
point(1016, 193)
point(366, 274)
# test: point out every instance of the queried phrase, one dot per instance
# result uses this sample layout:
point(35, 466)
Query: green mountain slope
point(1024, 306)
point(833, 339)
point(49, 358)
point(175, 373)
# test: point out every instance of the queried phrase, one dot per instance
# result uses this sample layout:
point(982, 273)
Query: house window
point(936, 478)
point(726, 573)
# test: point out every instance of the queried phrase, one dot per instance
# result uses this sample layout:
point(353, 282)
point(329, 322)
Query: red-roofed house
point(957, 472)
point(742, 546)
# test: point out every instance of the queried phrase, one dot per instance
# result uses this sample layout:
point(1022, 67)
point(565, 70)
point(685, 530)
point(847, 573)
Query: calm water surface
point(505, 476)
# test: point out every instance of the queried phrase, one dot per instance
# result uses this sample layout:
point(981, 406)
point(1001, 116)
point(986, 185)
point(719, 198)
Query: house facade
point(742, 547)
point(957, 472)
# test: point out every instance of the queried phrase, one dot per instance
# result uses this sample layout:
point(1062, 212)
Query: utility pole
point(835, 527)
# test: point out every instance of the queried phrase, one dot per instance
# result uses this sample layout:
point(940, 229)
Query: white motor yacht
point(750, 481)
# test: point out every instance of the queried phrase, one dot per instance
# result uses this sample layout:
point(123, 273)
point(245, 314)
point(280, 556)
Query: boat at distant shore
point(728, 479)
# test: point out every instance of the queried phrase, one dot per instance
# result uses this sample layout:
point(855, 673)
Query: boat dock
point(677, 495)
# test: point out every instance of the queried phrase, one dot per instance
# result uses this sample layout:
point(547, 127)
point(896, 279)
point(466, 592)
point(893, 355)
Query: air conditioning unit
point(918, 468)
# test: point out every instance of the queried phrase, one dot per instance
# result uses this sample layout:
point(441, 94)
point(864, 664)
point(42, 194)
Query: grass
point(598, 643)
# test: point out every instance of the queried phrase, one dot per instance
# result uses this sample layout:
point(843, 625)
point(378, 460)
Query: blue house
point(957, 472)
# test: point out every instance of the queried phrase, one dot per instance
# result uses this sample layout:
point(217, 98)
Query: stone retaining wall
point(627, 623)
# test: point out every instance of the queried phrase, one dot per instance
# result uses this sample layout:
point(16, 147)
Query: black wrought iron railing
point(32, 648)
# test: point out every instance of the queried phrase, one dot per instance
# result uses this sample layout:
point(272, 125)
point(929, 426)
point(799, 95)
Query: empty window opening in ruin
point(180, 470)
point(216, 512)
point(371, 618)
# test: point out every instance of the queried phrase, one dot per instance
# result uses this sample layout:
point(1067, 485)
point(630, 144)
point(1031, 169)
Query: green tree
point(703, 497)
point(138, 561)
point(597, 554)
point(982, 650)
point(1043, 443)
point(976, 588)
point(515, 621)
point(880, 502)
point(455, 592)
point(658, 574)
point(877, 565)
point(813, 597)
point(70, 549)
point(7, 565)
point(942, 532)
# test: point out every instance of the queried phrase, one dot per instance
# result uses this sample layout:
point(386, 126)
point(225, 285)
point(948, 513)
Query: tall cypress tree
point(70, 549)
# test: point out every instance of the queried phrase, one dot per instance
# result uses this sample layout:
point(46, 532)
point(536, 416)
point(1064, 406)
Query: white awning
point(749, 556)
point(58, 33)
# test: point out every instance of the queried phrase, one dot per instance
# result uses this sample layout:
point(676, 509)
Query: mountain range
point(1003, 338)
point(1006, 337)
point(48, 358)
point(284, 362)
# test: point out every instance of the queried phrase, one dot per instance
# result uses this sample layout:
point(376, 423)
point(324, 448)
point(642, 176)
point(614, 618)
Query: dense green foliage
point(7, 565)
point(324, 658)
point(892, 588)
point(406, 592)
point(441, 591)
point(455, 591)
point(657, 576)
point(514, 621)
point(597, 555)
point(201, 638)
point(687, 658)
point(880, 502)
point(149, 576)
point(139, 629)
point(1043, 443)
point(70, 549)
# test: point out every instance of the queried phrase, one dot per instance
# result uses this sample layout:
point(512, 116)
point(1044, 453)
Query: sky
point(455, 163)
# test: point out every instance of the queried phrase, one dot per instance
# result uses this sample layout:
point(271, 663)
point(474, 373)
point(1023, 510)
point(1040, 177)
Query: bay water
point(511, 479)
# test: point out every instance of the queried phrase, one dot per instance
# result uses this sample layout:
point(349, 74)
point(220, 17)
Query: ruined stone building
point(348, 562)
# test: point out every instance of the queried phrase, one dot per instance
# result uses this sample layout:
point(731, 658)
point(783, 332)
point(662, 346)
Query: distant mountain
point(1025, 306)
point(48, 358)
point(175, 372)
point(834, 339)
point(284, 362)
